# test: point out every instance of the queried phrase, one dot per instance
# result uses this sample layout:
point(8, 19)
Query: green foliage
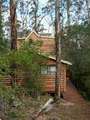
point(24, 33)
point(14, 114)
point(10, 102)
point(10, 94)
point(25, 62)
point(32, 9)
point(76, 48)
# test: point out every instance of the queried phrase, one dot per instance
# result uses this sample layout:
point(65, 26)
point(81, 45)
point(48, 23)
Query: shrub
point(25, 62)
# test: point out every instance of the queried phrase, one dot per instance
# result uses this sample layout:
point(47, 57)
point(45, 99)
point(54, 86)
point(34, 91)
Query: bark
point(13, 38)
point(68, 12)
point(58, 53)
point(13, 25)
point(35, 14)
point(87, 3)
point(35, 20)
point(0, 5)
point(1, 31)
point(0, 14)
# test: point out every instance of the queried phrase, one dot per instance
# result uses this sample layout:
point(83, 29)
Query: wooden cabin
point(49, 73)
point(47, 47)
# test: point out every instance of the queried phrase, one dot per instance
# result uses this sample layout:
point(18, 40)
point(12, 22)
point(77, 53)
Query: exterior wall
point(48, 46)
point(19, 80)
point(49, 80)
point(48, 43)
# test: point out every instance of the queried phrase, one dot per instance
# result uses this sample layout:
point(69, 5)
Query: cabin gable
point(47, 47)
point(48, 43)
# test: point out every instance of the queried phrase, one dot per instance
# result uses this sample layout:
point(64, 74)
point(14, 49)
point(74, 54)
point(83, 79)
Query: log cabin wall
point(49, 80)
point(20, 80)
point(48, 43)
point(47, 47)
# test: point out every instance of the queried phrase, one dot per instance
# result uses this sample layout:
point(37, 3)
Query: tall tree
point(31, 16)
point(3, 41)
point(36, 18)
point(87, 3)
point(58, 52)
point(13, 39)
point(0, 22)
point(35, 13)
point(68, 12)
point(13, 25)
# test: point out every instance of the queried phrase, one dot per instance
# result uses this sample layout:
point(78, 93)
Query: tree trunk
point(68, 12)
point(87, 3)
point(0, 18)
point(13, 38)
point(35, 20)
point(36, 10)
point(58, 53)
point(0, 8)
point(13, 25)
point(1, 30)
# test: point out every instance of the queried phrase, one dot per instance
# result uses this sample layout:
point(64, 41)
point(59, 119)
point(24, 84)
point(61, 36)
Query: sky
point(42, 2)
point(45, 21)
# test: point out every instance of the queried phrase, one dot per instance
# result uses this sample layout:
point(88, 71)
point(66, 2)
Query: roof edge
point(54, 58)
point(63, 61)
point(21, 38)
point(40, 36)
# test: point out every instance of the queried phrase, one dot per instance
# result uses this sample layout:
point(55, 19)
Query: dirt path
point(72, 94)
point(69, 111)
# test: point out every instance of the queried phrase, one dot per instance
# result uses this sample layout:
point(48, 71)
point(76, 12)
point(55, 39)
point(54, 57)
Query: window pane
point(51, 69)
point(44, 71)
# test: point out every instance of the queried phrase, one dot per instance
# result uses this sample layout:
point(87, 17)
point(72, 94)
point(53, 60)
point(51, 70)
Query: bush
point(24, 62)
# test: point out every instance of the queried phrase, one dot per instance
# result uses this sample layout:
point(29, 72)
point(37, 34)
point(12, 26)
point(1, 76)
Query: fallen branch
point(47, 107)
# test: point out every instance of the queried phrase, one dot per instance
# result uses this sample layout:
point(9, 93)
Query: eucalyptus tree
point(31, 15)
point(13, 17)
point(3, 40)
point(88, 11)
point(58, 52)
point(68, 12)
point(0, 22)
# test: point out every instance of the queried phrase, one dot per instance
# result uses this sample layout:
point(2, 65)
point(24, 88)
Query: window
point(50, 70)
point(44, 71)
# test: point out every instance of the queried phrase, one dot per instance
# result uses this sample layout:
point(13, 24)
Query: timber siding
point(48, 43)
point(49, 81)
point(47, 47)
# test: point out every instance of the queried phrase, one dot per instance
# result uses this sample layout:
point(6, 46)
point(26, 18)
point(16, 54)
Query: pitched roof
point(54, 58)
point(51, 57)
point(62, 61)
point(40, 36)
